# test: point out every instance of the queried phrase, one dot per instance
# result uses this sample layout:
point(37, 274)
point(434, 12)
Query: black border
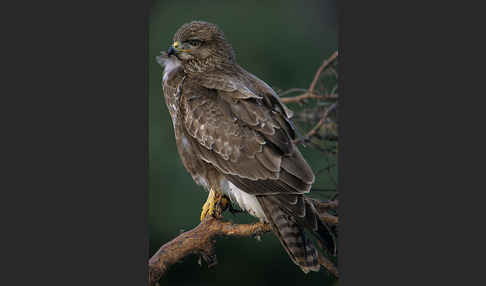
point(78, 156)
point(77, 159)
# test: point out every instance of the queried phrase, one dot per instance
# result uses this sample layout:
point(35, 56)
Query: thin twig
point(330, 219)
point(324, 206)
point(309, 93)
point(321, 68)
point(293, 90)
point(317, 126)
point(301, 97)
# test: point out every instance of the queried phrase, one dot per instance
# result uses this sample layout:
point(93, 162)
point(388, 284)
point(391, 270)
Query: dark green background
point(281, 42)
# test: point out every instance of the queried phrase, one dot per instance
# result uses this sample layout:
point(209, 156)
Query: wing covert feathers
point(240, 127)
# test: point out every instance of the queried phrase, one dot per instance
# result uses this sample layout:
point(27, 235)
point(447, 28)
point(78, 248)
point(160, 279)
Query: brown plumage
point(234, 136)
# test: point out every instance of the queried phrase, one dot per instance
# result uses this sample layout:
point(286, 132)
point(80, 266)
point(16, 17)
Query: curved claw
point(214, 205)
point(208, 207)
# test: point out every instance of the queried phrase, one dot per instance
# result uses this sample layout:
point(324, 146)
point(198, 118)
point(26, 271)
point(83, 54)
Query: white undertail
point(244, 200)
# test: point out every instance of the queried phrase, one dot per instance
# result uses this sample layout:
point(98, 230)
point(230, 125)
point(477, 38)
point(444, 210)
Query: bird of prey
point(234, 137)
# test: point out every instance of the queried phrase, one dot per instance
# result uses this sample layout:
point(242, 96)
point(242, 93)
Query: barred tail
point(300, 249)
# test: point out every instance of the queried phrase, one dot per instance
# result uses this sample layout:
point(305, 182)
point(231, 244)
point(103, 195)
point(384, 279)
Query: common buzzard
point(234, 137)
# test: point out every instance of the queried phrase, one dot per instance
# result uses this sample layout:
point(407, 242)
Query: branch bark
point(201, 241)
point(323, 207)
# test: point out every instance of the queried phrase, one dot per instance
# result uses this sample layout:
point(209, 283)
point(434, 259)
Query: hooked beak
point(175, 49)
point(171, 51)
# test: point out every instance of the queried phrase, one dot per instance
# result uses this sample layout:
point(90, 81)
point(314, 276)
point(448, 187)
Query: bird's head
point(201, 45)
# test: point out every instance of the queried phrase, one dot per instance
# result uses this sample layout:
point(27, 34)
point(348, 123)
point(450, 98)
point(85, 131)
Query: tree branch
point(302, 97)
point(201, 241)
point(318, 126)
point(325, 206)
point(321, 68)
point(310, 91)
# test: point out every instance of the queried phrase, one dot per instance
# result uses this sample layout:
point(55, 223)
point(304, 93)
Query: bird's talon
point(215, 205)
point(208, 206)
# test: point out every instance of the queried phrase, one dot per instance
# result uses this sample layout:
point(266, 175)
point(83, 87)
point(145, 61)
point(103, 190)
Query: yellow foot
point(208, 207)
point(214, 205)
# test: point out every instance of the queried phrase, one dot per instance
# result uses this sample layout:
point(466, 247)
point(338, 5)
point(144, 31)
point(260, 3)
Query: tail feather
point(320, 229)
point(291, 235)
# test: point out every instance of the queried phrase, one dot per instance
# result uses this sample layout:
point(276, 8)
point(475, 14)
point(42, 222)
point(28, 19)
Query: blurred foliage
point(281, 42)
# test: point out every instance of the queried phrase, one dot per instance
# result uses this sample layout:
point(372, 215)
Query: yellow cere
point(177, 44)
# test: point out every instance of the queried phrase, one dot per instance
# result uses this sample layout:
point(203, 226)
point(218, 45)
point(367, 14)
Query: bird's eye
point(195, 43)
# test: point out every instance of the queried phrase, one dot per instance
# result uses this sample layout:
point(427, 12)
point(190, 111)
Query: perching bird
point(234, 137)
